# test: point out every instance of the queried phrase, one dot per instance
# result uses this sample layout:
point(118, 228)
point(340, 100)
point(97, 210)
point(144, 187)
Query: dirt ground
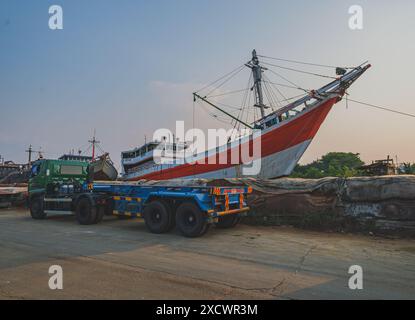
point(120, 259)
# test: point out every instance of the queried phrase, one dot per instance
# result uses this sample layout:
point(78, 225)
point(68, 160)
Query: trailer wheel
point(86, 213)
point(228, 221)
point(190, 220)
point(37, 209)
point(157, 216)
point(205, 229)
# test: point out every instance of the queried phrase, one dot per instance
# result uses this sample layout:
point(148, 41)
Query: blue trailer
point(57, 185)
point(192, 209)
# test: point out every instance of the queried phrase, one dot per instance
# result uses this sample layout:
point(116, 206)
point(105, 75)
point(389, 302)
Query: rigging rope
point(290, 82)
point(300, 71)
point(225, 93)
point(294, 97)
point(284, 85)
point(85, 151)
point(100, 148)
point(304, 63)
point(278, 90)
point(272, 100)
point(383, 108)
point(243, 104)
point(223, 77)
point(224, 81)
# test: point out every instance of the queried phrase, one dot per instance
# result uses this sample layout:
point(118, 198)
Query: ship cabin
point(141, 158)
point(75, 157)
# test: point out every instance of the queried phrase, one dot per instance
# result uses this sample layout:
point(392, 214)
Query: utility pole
point(30, 151)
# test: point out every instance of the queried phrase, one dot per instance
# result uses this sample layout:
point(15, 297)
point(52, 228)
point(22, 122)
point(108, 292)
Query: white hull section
point(276, 165)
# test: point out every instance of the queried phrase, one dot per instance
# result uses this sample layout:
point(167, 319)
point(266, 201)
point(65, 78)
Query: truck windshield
point(35, 170)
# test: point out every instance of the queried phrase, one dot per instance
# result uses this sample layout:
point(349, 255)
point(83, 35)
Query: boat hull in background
point(104, 170)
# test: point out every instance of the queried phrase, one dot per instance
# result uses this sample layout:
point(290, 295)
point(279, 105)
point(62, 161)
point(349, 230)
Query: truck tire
point(86, 212)
point(37, 209)
point(190, 220)
point(157, 216)
point(205, 229)
point(228, 221)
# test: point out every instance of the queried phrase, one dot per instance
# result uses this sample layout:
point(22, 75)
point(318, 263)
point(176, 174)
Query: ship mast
point(257, 70)
point(93, 142)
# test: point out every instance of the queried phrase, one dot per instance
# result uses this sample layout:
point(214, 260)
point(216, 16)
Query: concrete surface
point(119, 259)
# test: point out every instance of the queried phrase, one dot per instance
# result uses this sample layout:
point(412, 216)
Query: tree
point(333, 164)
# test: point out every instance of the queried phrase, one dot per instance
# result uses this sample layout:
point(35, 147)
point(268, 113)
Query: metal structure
point(257, 70)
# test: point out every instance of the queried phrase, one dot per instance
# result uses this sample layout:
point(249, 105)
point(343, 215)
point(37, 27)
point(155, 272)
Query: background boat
point(104, 168)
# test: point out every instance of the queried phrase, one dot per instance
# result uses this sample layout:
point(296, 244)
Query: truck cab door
point(36, 180)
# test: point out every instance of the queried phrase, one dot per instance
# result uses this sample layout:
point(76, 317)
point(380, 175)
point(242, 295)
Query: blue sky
point(127, 68)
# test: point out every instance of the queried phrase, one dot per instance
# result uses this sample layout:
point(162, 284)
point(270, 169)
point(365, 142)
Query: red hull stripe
point(294, 132)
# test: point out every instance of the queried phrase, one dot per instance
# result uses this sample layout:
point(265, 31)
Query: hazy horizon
point(128, 68)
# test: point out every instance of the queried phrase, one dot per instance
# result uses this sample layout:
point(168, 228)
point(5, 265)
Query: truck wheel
point(36, 208)
point(190, 220)
point(85, 213)
point(228, 221)
point(205, 229)
point(157, 216)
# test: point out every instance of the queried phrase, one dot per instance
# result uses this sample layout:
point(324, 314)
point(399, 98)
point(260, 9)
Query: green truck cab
point(52, 177)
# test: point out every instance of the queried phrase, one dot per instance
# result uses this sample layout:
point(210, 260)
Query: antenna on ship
point(257, 70)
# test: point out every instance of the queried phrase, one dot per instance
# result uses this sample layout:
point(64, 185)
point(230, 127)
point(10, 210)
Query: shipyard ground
point(119, 259)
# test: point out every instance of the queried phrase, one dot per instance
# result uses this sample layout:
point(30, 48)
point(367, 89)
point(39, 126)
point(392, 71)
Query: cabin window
point(271, 122)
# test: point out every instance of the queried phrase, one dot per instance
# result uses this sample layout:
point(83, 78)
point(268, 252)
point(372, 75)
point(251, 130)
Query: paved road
point(120, 259)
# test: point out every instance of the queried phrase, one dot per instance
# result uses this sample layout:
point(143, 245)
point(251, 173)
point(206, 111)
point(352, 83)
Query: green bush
point(333, 164)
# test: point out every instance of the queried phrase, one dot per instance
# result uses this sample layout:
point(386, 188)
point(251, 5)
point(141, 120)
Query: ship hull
point(281, 148)
point(275, 165)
